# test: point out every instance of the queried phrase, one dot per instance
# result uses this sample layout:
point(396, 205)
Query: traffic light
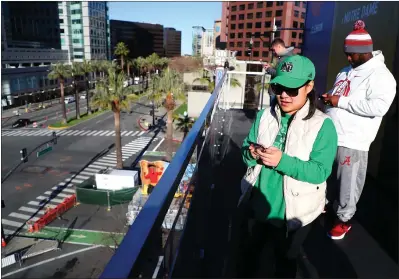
point(249, 51)
point(24, 155)
point(54, 138)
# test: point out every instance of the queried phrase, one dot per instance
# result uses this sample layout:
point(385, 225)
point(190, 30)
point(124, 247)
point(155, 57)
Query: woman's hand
point(253, 152)
point(271, 157)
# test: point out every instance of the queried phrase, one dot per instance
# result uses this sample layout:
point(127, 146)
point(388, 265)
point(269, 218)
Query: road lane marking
point(55, 194)
point(11, 223)
point(135, 133)
point(23, 216)
point(141, 133)
point(50, 199)
point(31, 210)
point(36, 203)
point(160, 142)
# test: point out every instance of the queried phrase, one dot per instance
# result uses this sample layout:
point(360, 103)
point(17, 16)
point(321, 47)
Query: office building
point(246, 20)
point(30, 43)
point(142, 39)
point(224, 22)
point(84, 28)
point(172, 42)
point(208, 43)
point(217, 35)
point(197, 40)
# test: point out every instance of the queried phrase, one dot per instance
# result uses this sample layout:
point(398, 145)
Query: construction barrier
point(51, 214)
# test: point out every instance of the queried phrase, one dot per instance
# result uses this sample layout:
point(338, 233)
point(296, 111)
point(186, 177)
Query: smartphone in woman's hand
point(258, 146)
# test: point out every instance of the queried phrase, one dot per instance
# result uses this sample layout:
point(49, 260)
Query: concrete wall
point(196, 102)
point(188, 78)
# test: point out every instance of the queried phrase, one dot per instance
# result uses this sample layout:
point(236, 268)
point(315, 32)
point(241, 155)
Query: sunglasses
point(292, 92)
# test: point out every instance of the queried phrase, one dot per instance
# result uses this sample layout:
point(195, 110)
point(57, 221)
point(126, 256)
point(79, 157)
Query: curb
point(58, 128)
point(63, 128)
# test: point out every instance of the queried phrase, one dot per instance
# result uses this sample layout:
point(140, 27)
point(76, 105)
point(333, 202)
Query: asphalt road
point(68, 157)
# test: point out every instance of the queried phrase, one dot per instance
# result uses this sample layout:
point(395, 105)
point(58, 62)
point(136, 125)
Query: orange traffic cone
point(3, 242)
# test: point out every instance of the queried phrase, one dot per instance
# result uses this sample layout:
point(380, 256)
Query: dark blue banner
point(317, 39)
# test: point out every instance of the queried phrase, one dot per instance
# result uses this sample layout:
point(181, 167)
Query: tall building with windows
point(172, 42)
point(30, 43)
point(208, 42)
point(84, 28)
point(252, 19)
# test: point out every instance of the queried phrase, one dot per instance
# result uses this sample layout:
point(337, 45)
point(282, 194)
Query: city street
point(70, 161)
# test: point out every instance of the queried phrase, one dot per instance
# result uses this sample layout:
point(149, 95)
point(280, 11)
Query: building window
point(296, 13)
point(303, 15)
point(279, 3)
point(61, 21)
point(76, 12)
point(304, 4)
point(279, 13)
point(259, 5)
point(61, 31)
point(76, 21)
point(265, 54)
point(241, 26)
point(295, 24)
point(233, 27)
point(257, 44)
point(231, 44)
point(268, 24)
point(248, 35)
point(78, 49)
point(300, 35)
point(232, 35)
point(60, 11)
point(278, 23)
point(257, 35)
point(265, 44)
point(233, 17)
point(76, 41)
point(259, 15)
point(297, 3)
point(268, 13)
point(240, 35)
point(250, 6)
point(302, 26)
point(294, 35)
point(293, 44)
point(242, 7)
point(256, 54)
point(233, 8)
point(269, 4)
point(239, 44)
point(241, 17)
point(249, 25)
point(277, 34)
point(239, 53)
point(250, 16)
point(258, 25)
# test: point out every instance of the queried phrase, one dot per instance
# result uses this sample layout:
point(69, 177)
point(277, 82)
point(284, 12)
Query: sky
point(179, 15)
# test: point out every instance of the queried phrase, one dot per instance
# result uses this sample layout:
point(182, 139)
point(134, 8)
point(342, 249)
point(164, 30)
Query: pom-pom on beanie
point(359, 40)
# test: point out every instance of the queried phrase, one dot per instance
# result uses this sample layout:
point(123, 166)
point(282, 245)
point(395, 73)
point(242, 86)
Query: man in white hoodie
point(361, 96)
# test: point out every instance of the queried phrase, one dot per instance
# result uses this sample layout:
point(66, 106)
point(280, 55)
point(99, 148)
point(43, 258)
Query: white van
point(69, 99)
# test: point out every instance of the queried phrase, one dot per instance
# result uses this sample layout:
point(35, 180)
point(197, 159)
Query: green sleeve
point(252, 137)
point(319, 166)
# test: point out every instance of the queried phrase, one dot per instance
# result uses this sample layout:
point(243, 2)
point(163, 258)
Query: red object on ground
point(339, 230)
point(3, 243)
point(141, 127)
point(51, 214)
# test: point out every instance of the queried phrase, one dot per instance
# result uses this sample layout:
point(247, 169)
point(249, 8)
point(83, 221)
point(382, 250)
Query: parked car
point(69, 100)
point(22, 122)
point(83, 96)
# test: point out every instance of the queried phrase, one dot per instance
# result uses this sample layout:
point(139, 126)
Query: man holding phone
point(361, 96)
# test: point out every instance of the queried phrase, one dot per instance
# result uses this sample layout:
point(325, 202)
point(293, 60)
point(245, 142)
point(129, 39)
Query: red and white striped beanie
point(359, 40)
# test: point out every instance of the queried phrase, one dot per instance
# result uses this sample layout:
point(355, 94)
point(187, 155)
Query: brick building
point(252, 19)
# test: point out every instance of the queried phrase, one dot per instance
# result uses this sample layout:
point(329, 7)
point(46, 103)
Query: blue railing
point(130, 258)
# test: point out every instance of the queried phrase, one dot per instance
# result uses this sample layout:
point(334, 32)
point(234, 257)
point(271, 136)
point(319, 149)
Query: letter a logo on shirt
point(342, 88)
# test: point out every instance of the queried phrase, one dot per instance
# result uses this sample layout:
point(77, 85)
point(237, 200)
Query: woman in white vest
point(289, 152)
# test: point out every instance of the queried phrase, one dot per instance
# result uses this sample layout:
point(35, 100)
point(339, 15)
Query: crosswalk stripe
point(68, 132)
point(17, 133)
point(61, 195)
point(36, 133)
point(124, 132)
point(82, 176)
point(36, 203)
point(25, 133)
point(103, 133)
point(129, 133)
point(86, 173)
point(135, 133)
point(108, 133)
point(99, 132)
point(74, 132)
point(79, 133)
point(111, 134)
point(47, 198)
point(141, 133)
point(43, 133)
point(31, 210)
point(94, 171)
point(7, 133)
point(86, 133)
point(8, 232)
point(105, 164)
point(11, 223)
point(97, 167)
point(23, 216)
point(107, 160)
point(69, 190)
point(60, 132)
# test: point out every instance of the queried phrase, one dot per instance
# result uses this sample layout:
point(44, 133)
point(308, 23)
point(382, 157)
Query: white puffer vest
point(304, 201)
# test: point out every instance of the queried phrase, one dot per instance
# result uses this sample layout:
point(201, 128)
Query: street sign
point(44, 151)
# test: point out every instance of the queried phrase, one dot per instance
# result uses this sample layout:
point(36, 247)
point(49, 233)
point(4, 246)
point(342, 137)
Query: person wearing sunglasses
point(290, 148)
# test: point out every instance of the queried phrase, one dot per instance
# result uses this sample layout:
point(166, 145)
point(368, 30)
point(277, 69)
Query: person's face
point(356, 59)
point(277, 49)
point(291, 100)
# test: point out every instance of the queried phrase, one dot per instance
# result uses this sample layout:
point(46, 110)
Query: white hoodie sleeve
point(382, 92)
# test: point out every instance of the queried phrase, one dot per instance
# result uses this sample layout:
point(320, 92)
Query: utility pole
point(153, 103)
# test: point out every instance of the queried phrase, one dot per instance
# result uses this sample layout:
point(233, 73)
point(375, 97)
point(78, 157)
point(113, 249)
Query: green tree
point(86, 69)
point(184, 124)
point(121, 50)
point(140, 62)
point(168, 87)
point(76, 72)
point(61, 72)
point(110, 94)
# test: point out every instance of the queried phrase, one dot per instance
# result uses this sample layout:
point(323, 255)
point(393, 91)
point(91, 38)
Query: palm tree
point(121, 50)
point(169, 86)
point(110, 94)
point(76, 71)
point(86, 69)
point(140, 62)
point(61, 72)
point(129, 64)
point(184, 124)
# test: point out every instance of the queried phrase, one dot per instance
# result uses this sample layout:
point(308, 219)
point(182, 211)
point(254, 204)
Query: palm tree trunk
point(118, 139)
point(64, 114)
point(169, 134)
point(88, 95)
point(122, 62)
point(77, 101)
point(128, 71)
